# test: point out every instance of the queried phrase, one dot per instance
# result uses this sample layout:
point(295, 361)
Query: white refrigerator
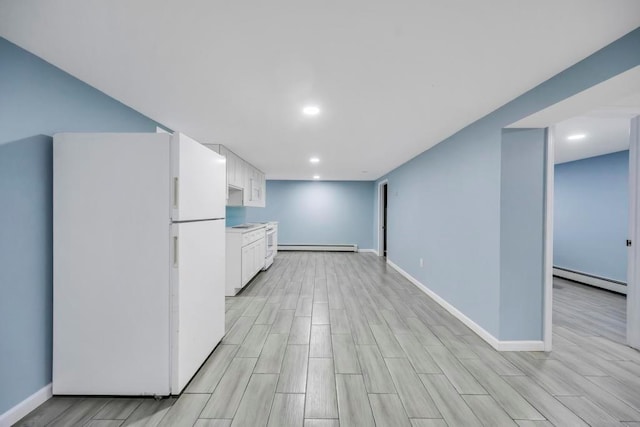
point(139, 267)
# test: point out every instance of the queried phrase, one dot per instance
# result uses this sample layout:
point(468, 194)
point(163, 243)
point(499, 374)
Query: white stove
point(272, 243)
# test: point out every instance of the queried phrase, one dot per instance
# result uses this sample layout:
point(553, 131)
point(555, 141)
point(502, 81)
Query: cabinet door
point(254, 261)
point(253, 190)
point(255, 187)
point(247, 177)
point(231, 173)
point(248, 184)
point(259, 255)
point(240, 171)
point(247, 264)
point(263, 190)
point(254, 251)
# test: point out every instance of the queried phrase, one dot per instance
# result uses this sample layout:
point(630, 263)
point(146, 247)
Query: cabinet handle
point(175, 192)
point(175, 251)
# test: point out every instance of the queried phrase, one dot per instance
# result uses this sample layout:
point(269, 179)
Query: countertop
point(249, 227)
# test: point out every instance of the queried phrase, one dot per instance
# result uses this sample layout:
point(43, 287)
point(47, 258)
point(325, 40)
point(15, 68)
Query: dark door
point(384, 220)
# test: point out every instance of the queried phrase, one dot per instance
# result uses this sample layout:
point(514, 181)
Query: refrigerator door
point(198, 180)
point(198, 286)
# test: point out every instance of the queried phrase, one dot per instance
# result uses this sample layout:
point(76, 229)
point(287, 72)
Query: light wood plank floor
point(589, 310)
point(326, 339)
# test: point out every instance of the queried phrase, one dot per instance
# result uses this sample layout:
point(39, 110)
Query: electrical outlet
point(421, 263)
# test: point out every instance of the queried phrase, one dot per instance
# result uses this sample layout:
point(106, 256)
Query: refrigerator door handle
point(175, 192)
point(175, 251)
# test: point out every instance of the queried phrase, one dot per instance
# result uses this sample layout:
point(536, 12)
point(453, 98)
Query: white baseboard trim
point(324, 248)
point(373, 251)
point(590, 280)
point(520, 346)
point(19, 411)
point(482, 333)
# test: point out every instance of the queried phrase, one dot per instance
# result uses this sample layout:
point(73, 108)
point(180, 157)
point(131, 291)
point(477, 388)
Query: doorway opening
point(382, 218)
point(617, 317)
point(591, 210)
point(621, 93)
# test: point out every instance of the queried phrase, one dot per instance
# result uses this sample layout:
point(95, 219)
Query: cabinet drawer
point(252, 236)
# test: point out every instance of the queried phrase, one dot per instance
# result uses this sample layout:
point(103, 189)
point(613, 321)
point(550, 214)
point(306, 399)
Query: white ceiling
point(602, 113)
point(606, 130)
point(393, 78)
point(604, 133)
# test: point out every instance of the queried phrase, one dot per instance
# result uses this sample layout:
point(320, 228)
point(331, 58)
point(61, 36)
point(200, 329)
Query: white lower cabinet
point(259, 253)
point(247, 254)
point(246, 249)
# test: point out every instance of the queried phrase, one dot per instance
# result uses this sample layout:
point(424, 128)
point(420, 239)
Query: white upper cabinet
point(246, 185)
point(233, 168)
point(254, 194)
point(240, 171)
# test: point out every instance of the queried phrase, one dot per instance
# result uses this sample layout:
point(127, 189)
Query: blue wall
point(522, 213)
point(319, 212)
point(444, 204)
point(235, 215)
point(444, 207)
point(36, 101)
point(591, 209)
point(26, 268)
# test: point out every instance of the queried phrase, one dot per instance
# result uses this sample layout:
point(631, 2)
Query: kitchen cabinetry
point(237, 171)
point(252, 259)
point(254, 194)
point(246, 185)
point(245, 252)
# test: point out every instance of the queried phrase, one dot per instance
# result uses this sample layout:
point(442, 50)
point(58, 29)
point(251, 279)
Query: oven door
point(270, 248)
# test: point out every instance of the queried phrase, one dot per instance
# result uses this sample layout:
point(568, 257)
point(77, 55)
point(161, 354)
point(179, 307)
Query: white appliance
point(139, 262)
point(272, 243)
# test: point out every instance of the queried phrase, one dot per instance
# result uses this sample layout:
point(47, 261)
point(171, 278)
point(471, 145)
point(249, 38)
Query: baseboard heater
point(590, 279)
point(328, 248)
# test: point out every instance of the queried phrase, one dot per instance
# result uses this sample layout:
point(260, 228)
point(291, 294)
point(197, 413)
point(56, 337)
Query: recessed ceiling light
point(314, 160)
point(316, 176)
point(311, 110)
point(576, 136)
